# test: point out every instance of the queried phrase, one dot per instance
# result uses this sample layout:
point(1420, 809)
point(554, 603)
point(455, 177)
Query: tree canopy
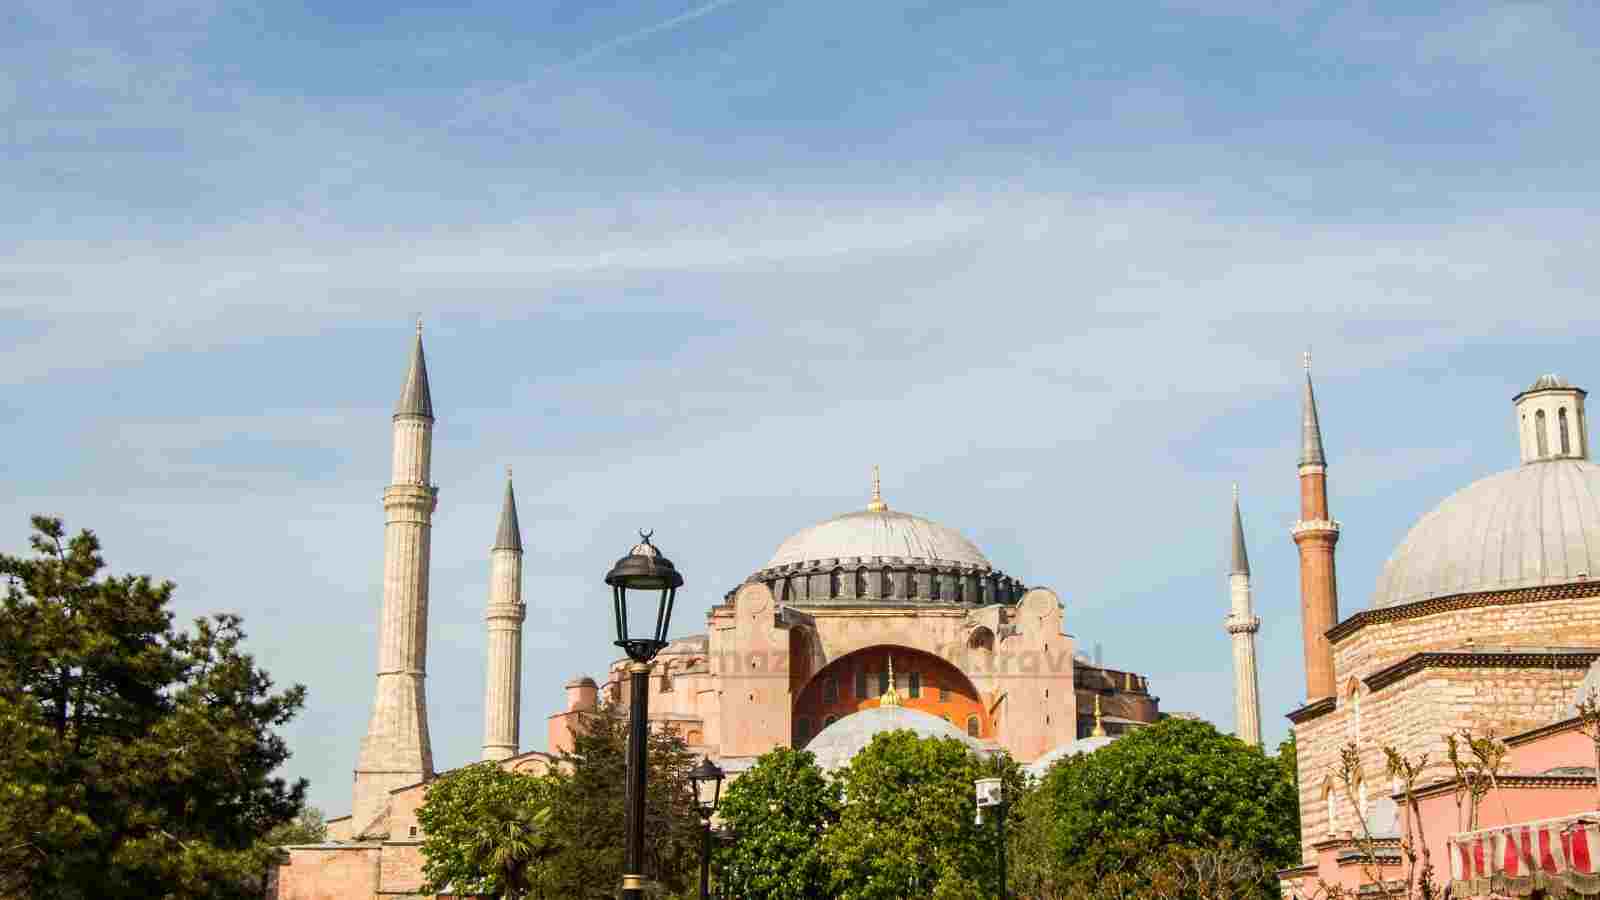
point(1175, 784)
point(135, 760)
point(907, 827)
point(485, 830)
point(779, 809)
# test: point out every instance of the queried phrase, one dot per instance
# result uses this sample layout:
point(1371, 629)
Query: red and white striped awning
point(1514, 860)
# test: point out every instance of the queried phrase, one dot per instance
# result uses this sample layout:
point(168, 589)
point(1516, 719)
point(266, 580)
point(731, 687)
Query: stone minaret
point(502, 695)
point(1242, 627)
point(1315, 534)
point(395, 751)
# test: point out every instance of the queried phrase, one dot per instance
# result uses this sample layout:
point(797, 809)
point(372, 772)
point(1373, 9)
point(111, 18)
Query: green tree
point(1177, 784)
point(135, 760)
point(778, 810)
point(588, 813)
point(907, 827)
point(306, 828)
point(486, 831)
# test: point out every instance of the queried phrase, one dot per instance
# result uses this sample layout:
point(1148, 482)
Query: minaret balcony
point(1314, 526)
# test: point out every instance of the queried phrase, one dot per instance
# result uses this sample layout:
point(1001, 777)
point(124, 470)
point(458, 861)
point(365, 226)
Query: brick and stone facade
point(1425, 662)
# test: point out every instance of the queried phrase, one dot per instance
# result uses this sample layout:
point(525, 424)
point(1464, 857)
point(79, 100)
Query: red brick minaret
point(1315, 534)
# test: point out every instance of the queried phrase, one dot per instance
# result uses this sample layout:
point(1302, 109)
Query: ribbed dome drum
point(1535, 525)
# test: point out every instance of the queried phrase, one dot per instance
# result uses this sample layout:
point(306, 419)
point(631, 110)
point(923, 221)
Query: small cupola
point(1550, 420)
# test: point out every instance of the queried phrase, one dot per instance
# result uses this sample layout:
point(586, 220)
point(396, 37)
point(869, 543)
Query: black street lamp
point(635, 581)
point(991, 795)
point(706, 776)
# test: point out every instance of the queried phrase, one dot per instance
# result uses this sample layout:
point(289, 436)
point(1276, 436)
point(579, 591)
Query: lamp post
point(706, 776)
point(643, 582)
point(991, 795)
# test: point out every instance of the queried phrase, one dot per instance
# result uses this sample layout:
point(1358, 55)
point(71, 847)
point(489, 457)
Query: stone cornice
point(1526, 782)
point(1314, 526)
point(1533, 659)
point(1251, 625)
point(1298, 871)
point(1341, 842)
point(1534, 734)
point(1454, 602)
point(1311, 710)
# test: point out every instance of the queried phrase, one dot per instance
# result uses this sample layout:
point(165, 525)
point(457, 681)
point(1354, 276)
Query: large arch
point(855, 682)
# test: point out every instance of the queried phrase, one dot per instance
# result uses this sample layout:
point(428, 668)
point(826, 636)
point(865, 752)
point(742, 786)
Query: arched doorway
point(925, 682)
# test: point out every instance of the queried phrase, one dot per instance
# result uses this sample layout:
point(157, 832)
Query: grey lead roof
point(414, 397)
point(1240, 562)
point(509, 535)
point(1536, 524)
point(1310, 429)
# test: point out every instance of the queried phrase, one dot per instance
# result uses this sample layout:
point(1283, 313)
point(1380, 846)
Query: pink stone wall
point(346, 873)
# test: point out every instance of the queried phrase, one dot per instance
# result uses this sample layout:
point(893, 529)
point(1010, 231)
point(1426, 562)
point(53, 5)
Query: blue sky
point(698, 266)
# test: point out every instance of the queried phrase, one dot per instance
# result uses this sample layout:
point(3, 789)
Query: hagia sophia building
point(879, 619)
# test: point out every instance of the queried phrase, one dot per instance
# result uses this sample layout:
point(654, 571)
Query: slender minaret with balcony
point(395, 751)
point(1242, 626)
point(502, 695)
point(1315, 535)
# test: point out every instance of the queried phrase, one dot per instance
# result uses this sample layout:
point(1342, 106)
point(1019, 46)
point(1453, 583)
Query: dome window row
point(885, 581)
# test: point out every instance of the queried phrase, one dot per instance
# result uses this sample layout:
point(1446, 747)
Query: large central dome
point(879, 533)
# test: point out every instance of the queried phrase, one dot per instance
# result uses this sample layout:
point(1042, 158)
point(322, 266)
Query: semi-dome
point(837, 744)
point(1041, 766)
point(1538, 524)
point(873, 533)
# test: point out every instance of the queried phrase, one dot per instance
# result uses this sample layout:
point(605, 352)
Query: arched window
point(861, 684)
point(972, 726)
point(960, 589)
point(883, 683)
point(914, 686)
point(911, 585)
point(1561, 422)
point(802, 731)
point(1330, 798)
point(935, 591)
point(666, 678)
point(833, 584)
point(1539, 435)
point(944, 693)
point(861, 583)
point(830, 689)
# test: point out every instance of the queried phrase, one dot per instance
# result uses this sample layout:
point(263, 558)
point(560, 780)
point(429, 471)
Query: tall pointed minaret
point(1242, 627)
point(502, 695)
point(395, 751)
point(1315, 534)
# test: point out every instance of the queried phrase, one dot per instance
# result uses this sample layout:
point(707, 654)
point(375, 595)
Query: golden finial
point(419, 324)
point(1099, 726)
point(508, 471)
point(1305, 360)
point(891, 697)
point(876, 504)
point(1236, 492)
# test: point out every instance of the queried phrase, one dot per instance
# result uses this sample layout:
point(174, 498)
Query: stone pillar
point(395, 751)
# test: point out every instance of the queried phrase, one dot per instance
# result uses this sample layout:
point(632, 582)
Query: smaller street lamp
point(706, 777)
point(635, 581)
point(991, 795)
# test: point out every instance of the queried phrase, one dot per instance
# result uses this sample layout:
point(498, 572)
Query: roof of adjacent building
point(879, 533)
point(1535, 525)
point(837, 744)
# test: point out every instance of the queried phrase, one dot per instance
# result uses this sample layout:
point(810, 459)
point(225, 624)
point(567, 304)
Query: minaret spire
point(1242, 626)
point(415, 399)
point(502, 698)
point(1315, 535)
point(1310, 429)
point(396, 750)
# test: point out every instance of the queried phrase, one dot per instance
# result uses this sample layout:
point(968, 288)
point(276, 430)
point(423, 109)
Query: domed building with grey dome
point(1485, 620)
point(872, 604)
